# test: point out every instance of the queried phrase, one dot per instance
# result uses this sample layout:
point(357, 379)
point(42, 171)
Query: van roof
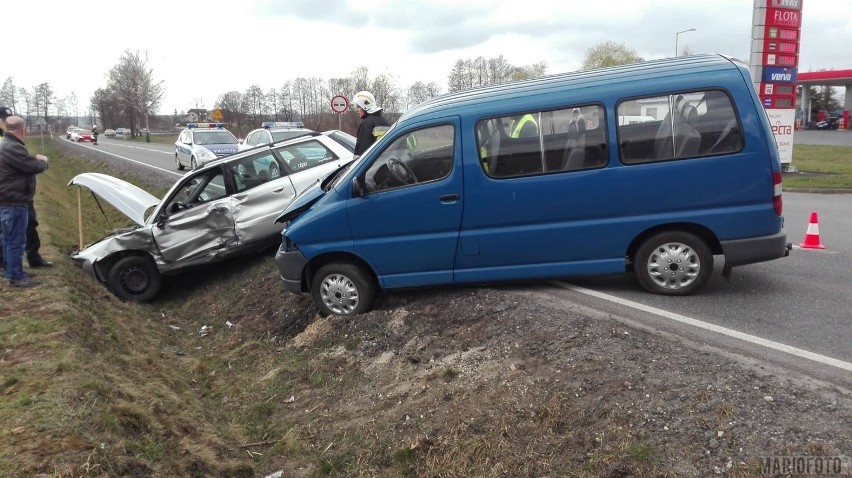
point(591, 85)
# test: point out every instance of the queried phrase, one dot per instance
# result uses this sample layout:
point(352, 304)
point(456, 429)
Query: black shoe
point(25, 282)
point(39, 262)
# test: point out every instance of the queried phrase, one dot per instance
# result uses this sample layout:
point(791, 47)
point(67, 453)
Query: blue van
point(651, 168)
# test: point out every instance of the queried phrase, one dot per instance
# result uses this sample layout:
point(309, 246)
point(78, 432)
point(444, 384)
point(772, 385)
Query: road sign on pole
point(339, 105)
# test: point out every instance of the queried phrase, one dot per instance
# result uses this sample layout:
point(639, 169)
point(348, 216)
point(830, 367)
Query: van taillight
point(776, 200)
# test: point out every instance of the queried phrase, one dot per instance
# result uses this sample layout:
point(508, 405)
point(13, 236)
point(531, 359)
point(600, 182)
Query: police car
point(274, 131)
point(201, 143)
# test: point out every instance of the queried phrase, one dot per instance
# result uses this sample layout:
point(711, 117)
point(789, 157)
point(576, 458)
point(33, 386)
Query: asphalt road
point(794, 312)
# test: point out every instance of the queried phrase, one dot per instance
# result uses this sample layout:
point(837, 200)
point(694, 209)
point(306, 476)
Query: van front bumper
point(290, 267)
point(740, 252)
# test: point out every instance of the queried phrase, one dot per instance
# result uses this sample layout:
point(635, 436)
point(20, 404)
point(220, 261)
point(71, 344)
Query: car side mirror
point(357, 187)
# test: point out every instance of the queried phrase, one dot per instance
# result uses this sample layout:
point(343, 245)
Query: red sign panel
point(778, 89)
point(776, 46)
point(788, 4)
point(778, 59)
point(785, 34)
point(783, 18)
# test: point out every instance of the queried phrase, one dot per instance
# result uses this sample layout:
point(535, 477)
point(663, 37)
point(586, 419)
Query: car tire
point(180, 166)
point(343, 289)
point(192, 164)
point(134, 278)
point(673, 263)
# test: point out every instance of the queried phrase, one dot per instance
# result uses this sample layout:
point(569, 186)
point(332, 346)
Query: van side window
point(678, 126)
point(416, 157)
point(542, 142)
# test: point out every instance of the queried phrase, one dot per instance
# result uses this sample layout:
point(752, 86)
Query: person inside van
point(525, 127)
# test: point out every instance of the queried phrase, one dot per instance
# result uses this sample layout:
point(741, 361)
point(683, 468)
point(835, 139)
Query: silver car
point(220, 210)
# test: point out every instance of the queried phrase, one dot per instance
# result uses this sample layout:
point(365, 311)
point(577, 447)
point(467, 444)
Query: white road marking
point(138, 162)
point(713, 328)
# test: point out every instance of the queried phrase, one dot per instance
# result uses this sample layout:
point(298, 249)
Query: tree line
point(132, 95)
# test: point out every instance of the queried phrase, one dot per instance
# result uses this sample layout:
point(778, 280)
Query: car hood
point(127, 198)
point(303, 201)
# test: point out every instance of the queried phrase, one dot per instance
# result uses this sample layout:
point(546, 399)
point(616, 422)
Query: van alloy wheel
point(343, 289)
point(673, 263)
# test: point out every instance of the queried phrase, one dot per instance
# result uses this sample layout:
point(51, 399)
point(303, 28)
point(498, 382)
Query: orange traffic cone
point(812, 236)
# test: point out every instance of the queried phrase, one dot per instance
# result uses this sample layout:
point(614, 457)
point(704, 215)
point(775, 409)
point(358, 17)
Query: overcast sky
point(204, 48)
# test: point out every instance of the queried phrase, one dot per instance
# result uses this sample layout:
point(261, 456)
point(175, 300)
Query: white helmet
point(366, 101)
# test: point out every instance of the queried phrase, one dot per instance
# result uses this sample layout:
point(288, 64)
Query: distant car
point(201, 143)
point(109, 133)
point(79, 135)
point(69, 131)
point(122, 132)
point(272, 132)
point(223, 209)
point(829, 123)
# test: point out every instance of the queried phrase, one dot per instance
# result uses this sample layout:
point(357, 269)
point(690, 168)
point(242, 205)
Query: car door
point(183, 149)
point(198, 219)
point(406, 227)
point(262, 191)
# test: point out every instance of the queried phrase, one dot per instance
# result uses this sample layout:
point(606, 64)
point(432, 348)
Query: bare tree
point(610, 53)
point(44, 98)
point(132, 82)
point(9, 94)
point(530, 71)
point(253, 100)
point(231, 106)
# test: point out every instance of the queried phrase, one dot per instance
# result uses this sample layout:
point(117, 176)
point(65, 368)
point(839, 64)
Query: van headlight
point(287, 245)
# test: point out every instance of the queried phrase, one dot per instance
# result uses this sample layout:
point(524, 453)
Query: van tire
point(134, 278)
point(343, 289)
point(673, 263)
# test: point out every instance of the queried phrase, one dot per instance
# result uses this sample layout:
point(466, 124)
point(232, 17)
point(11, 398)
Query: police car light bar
point(205, 125)
point(282, 124)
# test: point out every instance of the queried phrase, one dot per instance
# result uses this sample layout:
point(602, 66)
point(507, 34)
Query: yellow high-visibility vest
point(516, 133)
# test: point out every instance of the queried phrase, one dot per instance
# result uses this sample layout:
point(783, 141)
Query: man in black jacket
point(17, 188)
point(374, 124)
point(34, 258)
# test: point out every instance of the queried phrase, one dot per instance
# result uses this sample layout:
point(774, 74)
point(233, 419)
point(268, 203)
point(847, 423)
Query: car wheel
point(673, 263)
point(134, 278)
point(343, 289)
point(192, 164)
point(179, 164)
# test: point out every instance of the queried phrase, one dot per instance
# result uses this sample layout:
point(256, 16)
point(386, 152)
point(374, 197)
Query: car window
point(252, 171)
point(214, 137)
point(542, 142)
point(421, 156)
point(678, 126)
point(282, 135)
point(198, 189)
point(306, 154)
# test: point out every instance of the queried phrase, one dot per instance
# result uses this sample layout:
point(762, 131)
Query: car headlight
point(202, 153)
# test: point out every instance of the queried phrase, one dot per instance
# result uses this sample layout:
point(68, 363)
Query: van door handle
point(450, 198)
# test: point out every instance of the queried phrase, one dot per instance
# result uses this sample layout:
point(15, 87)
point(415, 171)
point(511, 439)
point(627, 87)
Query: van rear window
point(542, 142)
point(677, 126)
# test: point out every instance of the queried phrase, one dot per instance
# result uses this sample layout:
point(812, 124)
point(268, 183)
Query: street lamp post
point(676, 38)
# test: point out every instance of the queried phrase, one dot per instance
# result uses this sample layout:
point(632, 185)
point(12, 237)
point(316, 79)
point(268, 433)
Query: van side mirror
point(357, 187)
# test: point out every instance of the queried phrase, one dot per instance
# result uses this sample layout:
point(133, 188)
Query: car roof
point(591, 85)
point(246, 152)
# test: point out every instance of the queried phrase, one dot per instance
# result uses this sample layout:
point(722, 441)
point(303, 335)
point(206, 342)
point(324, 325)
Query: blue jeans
point(14, 226)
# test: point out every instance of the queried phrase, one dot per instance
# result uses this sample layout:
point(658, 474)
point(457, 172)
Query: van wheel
point(343, 289)
point(673, 263)
point(179, 164)
point(134, 278)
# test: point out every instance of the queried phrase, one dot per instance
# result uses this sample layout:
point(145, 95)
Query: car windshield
point(214, 137)
point(282, 135)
